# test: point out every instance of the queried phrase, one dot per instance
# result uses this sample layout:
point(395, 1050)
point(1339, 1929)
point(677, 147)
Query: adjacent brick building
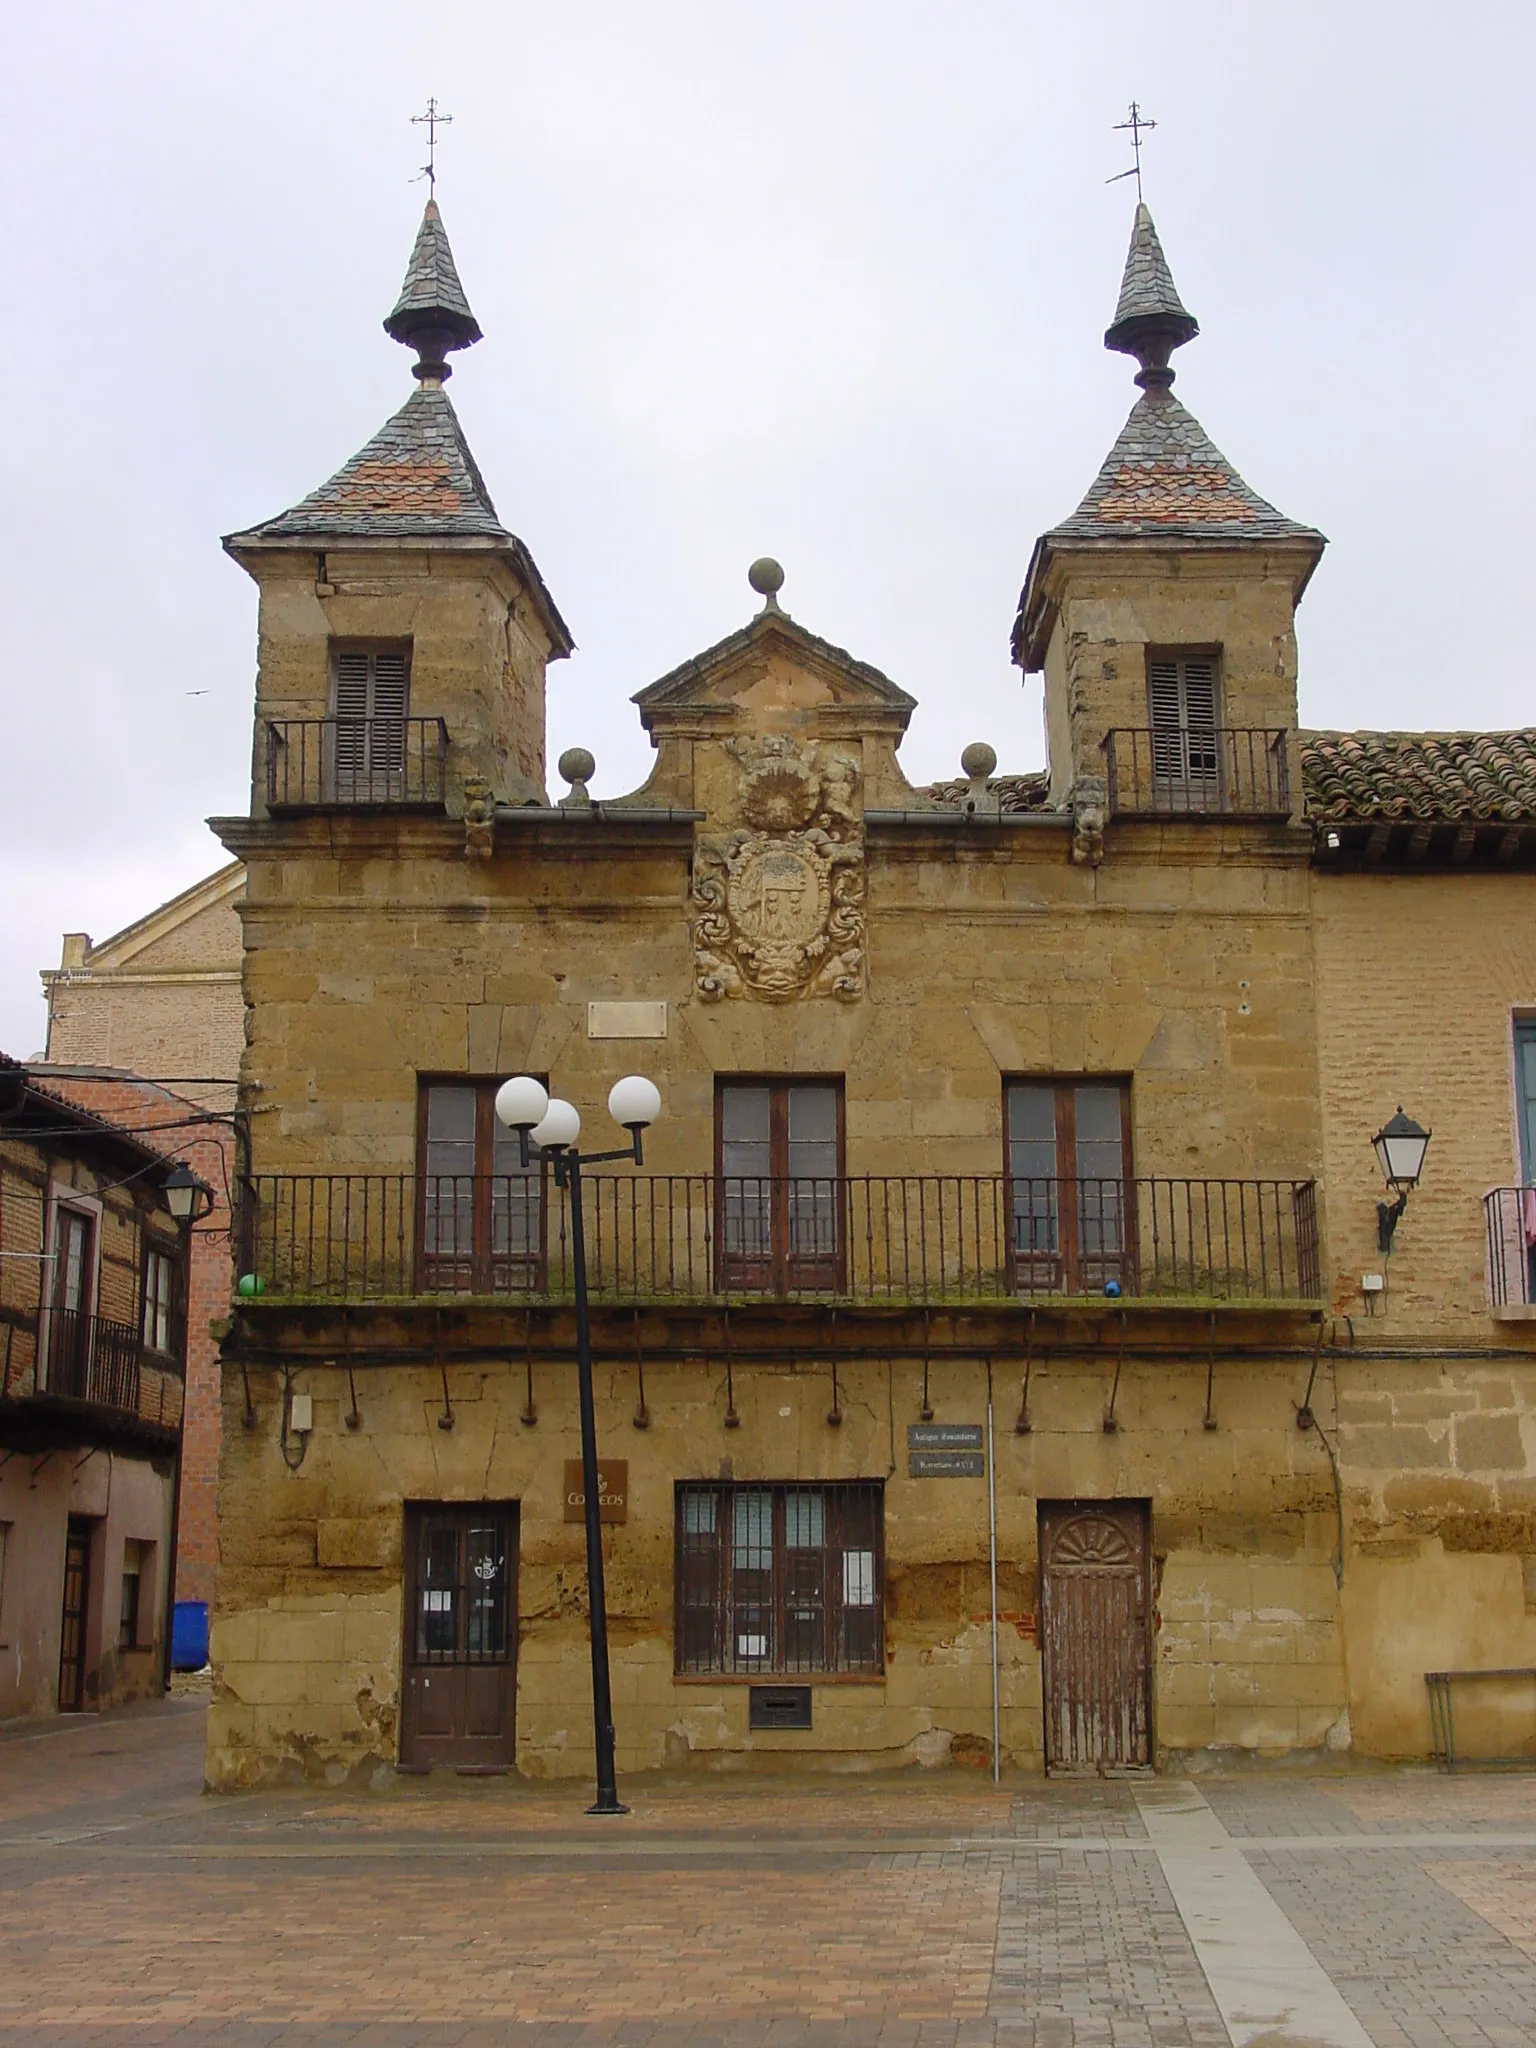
point(997, 1351)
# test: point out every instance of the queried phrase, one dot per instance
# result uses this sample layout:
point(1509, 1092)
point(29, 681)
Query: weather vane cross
point(1138, 125)
point(431, 120)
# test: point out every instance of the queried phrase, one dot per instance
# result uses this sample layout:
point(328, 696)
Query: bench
point(1443, 1727)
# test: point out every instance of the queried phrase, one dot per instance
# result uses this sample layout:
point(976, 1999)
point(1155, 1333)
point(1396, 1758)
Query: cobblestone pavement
point(801, 1912)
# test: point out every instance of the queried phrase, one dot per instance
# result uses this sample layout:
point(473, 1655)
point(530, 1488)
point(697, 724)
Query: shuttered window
point(1183, 699)
point(370, 690)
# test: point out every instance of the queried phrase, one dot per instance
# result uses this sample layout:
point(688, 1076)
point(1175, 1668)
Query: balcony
point(857, 1239)
point(356, 764)
point(1236, 773)
point(1509, 1223)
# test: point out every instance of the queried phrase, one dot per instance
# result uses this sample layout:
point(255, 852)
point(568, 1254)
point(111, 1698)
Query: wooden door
point(77, 1586)
point(69, 1344)
point(459, 1694)
point(1095, 1612)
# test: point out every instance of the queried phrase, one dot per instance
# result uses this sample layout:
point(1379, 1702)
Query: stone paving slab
point(783, 1912)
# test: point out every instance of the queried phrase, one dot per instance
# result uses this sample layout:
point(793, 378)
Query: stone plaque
point(626, 1020)
point(612, 1490)
point(946, 1450)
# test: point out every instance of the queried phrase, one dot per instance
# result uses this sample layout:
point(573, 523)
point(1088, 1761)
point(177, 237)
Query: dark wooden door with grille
point(459, 1696)
point(1095, 1609)
point(77, 1586)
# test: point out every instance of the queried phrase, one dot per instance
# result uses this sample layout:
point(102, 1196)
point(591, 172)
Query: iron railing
point(857, 1238)
point(1236, 772)
point(1509, 1223)
point(321, 763)
point(92, 1359)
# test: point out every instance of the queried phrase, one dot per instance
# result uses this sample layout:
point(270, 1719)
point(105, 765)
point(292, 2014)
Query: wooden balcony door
point(77, 1589)
point(479, 1210)
point(1070, 1199)
point(779, 1175)
point(69, 1341)
point(370, 692)
point(459, 1696)
point(1095, 1635)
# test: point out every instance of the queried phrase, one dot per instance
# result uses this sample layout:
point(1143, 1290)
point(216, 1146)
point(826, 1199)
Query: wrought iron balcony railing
point(1509, 1222)
point(362, 763)
point(1236, 772)
point(858, 1238)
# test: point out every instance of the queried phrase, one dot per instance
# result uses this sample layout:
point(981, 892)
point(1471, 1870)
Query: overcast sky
point(826, 281)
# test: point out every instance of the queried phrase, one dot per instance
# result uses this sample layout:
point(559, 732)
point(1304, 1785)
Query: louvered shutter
point(1200, 718)
point(1167, 722)
point(368, 748)
point(351, 756)
point(386, 754)
point(1182, 700)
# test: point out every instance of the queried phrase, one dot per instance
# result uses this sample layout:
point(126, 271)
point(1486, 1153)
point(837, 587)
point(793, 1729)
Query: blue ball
point(1112, 1289)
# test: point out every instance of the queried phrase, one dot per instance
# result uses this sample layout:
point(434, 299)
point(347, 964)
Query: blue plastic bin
point(189, 1635)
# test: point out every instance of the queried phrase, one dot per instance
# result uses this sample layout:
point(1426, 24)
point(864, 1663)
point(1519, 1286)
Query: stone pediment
point(774, 676)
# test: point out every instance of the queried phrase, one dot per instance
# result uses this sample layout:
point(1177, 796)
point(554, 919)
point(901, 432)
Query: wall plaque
point(612, 1490)
point(626, 1020)
point(946, 1450)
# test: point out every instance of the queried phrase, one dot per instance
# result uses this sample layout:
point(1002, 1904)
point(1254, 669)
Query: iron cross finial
point(431, 120)
point(1139, 124)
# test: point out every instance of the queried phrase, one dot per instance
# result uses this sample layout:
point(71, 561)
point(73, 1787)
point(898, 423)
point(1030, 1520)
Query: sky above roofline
point(836, 294)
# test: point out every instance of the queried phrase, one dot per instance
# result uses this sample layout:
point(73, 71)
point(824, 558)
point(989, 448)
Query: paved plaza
point(1396, 1909)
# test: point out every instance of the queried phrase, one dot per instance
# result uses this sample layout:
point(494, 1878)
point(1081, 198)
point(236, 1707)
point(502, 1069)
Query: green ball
point(249, 1284)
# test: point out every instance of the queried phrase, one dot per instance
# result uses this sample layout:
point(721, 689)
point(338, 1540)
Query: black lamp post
point(524, 1106)
point(1400, 1147)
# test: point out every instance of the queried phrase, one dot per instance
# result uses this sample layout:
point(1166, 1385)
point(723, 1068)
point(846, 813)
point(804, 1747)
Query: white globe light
point(560, 1126)
point(634, 1102)
point(521, 1102)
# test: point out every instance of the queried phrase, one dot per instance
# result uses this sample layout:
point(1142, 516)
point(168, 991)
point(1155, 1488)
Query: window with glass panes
point(479, 1210)
point(1069, 1169)
point(779, 1156)
point(159, 1299)
point(780, 1578)
point(128, 1598)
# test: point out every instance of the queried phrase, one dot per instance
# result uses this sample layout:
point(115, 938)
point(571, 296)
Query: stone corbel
point(479, 819)
point(1090, 807)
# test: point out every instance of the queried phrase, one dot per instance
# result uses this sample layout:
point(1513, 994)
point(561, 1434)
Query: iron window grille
point(780, 1578)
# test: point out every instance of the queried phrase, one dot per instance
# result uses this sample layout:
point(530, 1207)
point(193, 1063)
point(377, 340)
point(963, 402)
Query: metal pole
point(997, 1761)
point(602, 1701)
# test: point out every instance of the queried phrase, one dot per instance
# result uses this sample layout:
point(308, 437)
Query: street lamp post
point(524, 1106)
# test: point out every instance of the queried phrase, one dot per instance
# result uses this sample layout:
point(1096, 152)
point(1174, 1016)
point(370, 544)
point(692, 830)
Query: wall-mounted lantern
point(188, 1199)
point(1400, 1147)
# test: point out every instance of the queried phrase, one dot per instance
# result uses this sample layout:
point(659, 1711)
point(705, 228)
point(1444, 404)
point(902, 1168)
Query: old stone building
point(1014, 1196)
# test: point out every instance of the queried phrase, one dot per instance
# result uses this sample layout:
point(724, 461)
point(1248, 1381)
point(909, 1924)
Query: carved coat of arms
point(780, 900)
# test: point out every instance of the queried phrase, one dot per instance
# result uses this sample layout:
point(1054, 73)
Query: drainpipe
point(181, 1437)
point(997, 1765)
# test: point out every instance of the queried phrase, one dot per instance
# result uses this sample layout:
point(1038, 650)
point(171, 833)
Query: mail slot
point(779, 1706)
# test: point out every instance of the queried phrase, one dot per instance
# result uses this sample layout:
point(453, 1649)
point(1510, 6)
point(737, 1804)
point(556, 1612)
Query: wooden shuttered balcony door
point(779, 1162)
point(1186, 756)
point(1070, 1195)
point(371, 688)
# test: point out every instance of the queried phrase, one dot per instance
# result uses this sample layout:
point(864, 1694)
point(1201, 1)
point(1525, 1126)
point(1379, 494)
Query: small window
point(479, 1210)
point(159, 1299)
point(779, 1148)
point(370, 693)
point(128, 1606)
point(1184, 697)
point(1525, 1096)
point(1069, 1166)
point(780, 1578)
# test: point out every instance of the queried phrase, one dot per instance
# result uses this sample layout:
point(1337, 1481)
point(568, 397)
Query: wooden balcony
point(316, 764)
point(859, 1239)
point(1239, 772)
point(62, 1371)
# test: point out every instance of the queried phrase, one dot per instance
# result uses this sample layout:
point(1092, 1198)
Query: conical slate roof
point(415, 477)
point(1165, 478)
point(431, 294)
point(1147, 291)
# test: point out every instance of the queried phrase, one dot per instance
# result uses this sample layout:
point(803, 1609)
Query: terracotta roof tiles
point(1451, 776)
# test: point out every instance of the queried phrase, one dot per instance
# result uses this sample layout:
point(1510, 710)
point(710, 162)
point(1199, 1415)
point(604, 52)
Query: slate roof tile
point(432, 279)
point(415, 477)
point(1147, 289)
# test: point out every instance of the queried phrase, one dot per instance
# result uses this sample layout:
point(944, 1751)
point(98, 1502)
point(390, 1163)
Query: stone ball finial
point(767, 579)
point(978, 761)
point(576, 767)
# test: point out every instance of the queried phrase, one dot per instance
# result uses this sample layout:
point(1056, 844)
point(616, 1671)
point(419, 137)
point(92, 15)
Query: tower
point(1162, 611)
point(404, 631)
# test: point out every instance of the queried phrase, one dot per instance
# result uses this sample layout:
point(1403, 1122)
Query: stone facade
point(779, 904)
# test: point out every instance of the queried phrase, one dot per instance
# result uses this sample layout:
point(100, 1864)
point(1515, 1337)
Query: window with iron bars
point(781, 1578)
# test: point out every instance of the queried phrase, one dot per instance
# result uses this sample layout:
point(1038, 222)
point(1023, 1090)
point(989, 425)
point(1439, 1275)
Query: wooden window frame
point(482, 1261)
point(61, 1200)
point(1066, 1266)
point(782, 1271)
point(835, 1666)
point(157, 1248)
point(1202, 789)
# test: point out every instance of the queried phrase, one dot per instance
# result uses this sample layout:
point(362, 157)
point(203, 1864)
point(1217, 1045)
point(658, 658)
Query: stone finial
point(767, 579)
point(977, 764)
point(1150, 319)
point(432, 315)
point(576, 767)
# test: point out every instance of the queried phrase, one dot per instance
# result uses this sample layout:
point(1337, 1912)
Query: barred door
point(1095, 1635)
point(460, 1666)
point(77, 1577)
